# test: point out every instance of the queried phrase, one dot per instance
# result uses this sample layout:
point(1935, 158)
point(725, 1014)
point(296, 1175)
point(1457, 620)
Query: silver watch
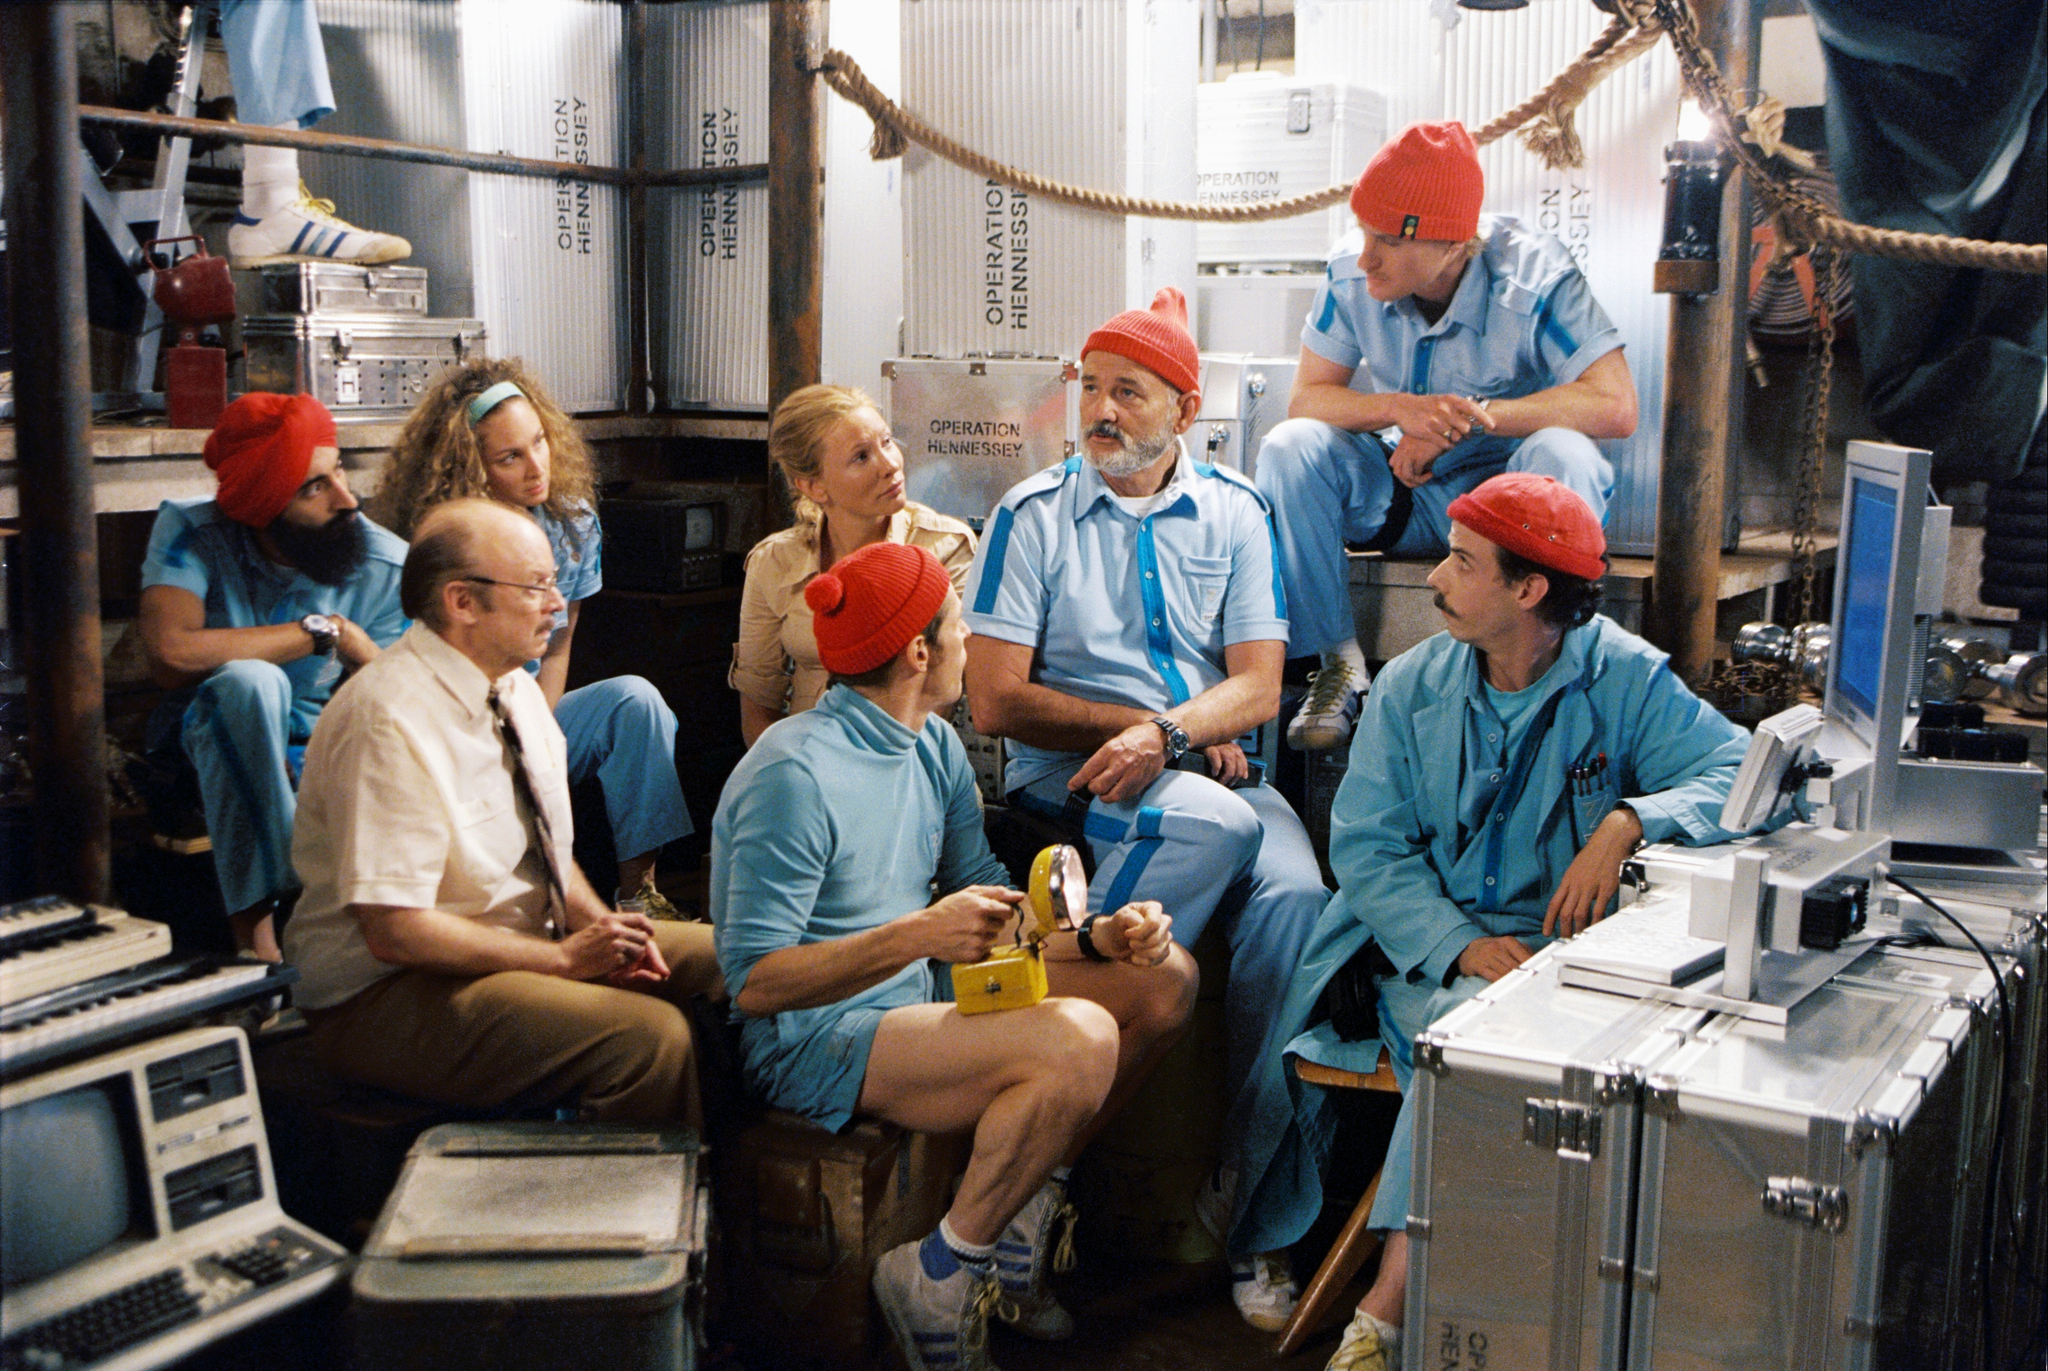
point(325, 633)
point(1176, 738)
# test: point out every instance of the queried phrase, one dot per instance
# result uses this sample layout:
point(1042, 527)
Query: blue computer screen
point(64, 1189)
point(1866, 568)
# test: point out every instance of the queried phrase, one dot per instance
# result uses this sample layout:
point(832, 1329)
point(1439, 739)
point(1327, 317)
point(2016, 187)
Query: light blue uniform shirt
point(839, 820)
point(1442, 833)
point(195, 547)
point(1523, 319)
point(578, 546)
point(1122, 610)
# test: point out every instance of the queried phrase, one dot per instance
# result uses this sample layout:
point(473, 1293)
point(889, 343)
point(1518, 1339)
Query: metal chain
point(1820, 386)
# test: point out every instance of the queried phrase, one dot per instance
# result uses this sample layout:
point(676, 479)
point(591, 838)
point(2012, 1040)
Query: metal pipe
point(350, 145)
point(636, 207)
point(795, 208)
point(59, 566)
point(1703, 394)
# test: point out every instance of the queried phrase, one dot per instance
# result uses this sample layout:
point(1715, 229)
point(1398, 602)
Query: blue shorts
point(818, 1069)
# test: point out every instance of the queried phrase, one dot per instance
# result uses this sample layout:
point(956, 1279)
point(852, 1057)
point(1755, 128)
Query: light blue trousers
point(276, 61)
point(1201, 849)
point(1405, 1010)
point(238, 727)
point(1327, 486)
point(622, 732)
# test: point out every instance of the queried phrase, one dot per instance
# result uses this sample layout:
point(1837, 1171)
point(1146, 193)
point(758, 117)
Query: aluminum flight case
point(1798, 1189)
point(356, 364)
point(1527, 1111)
point(537, 1246)
point(340, 288)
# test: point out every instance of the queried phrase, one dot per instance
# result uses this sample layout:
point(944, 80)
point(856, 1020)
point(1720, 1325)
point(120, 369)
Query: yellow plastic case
point(1014, 977)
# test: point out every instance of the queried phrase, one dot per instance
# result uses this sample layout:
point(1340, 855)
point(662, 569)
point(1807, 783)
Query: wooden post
point(795, 220)
point(59, 594)
point(1703, 394)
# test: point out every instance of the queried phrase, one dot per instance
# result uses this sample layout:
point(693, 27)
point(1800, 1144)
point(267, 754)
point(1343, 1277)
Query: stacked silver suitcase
point(1603, 1182)
point(356, 338)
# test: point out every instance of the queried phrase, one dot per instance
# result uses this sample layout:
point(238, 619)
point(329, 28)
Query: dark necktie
point(522, 785)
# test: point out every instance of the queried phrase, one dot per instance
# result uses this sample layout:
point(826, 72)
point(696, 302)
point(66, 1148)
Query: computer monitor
point(1780, 743)
point(1870, 700)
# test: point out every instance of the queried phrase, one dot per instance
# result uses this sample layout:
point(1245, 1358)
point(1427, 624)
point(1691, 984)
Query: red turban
point(261, 450)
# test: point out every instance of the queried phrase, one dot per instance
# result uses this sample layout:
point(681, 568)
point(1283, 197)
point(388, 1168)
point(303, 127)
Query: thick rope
point(1801, 220)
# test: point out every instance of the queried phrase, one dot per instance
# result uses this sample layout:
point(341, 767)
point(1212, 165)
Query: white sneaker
point(1326, 716)
point(1038, 1242)
point(1264, 1291)
point(1216, 1202)
point(307, 231)
point(1367, 1345)
point(939, 1325)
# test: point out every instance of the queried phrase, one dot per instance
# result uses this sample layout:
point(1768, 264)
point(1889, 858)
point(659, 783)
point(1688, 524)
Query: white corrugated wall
point(1613, 208)
point(707, 86)
point(1094, 93)
point(541, 78)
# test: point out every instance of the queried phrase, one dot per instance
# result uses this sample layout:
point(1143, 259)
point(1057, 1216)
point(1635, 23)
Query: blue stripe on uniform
point(1548, 327)
point(1146, 830)
point(995, 548)
point(1156, 637)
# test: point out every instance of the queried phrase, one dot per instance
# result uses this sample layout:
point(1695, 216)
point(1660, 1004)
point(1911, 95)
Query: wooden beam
point(795, 210)
point(1703, 394)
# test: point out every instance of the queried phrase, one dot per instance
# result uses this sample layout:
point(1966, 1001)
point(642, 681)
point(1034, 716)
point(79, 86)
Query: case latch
point(1561, 1126)
point(1817, 1206)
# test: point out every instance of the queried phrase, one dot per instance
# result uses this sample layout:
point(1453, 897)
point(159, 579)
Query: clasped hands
point(1432, 425)
point(615, 946)
point(965, 926)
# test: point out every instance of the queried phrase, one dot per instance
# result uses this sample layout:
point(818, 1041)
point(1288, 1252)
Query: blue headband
point(491, 399)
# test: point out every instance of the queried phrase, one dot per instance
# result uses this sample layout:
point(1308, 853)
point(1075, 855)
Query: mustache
point(1441, 607)
point(1105, 429)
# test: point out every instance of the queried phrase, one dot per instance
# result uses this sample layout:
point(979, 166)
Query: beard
point(1137, 454)
point(330, 554)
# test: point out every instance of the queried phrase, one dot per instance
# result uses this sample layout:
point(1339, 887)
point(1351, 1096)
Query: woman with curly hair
point(488, 429)
point(845, 473)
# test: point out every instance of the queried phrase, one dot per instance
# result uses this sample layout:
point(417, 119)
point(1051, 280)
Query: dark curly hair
point(1570, 601)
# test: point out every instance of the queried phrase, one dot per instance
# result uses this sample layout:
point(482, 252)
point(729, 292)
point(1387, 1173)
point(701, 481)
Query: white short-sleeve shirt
point(408, 800)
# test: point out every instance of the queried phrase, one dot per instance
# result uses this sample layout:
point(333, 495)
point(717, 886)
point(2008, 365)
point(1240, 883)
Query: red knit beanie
point(872, 603)
point(1539, 519)
point(1155, 338)
point(261, 450)
point(1425, 183)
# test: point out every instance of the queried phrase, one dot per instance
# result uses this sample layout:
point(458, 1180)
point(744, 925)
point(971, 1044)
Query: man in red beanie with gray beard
point(254, 605)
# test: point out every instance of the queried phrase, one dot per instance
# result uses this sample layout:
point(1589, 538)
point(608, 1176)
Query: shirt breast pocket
point(491, 835)
point(1207, 580)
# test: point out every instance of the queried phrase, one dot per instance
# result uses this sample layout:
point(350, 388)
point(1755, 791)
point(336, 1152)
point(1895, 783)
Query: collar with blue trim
point(1093, 490)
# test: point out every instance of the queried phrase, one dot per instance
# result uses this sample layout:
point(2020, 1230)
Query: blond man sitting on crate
point(830, 841)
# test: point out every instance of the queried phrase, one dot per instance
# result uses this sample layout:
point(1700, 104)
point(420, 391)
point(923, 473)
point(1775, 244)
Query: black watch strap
point(1176, 738)
point(1084, 936)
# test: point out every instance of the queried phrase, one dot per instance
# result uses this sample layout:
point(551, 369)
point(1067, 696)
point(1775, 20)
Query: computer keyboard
point(92, 1332)
point(1646, 942)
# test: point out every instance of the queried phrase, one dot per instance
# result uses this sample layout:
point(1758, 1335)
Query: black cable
point(2006, 1073)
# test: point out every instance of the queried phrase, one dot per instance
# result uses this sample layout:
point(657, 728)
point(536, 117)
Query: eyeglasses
point(542, 588)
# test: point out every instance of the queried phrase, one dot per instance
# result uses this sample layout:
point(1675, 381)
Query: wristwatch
point(1176, 738)
point(325, 632)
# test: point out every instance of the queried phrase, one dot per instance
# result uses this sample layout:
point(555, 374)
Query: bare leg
point(256, 933)
point(1389, 1293)
point(1151, 1009)
point(635, 871)
point(1027, 1081)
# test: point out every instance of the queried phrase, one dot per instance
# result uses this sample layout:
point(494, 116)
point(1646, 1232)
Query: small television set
point(1871, 698)
point(138, 1213)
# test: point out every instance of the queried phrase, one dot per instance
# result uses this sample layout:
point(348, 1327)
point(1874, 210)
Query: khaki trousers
point(522, 1037)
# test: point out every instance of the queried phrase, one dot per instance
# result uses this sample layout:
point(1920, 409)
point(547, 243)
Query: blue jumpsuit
point(1523, 319)
point(619, 730)
point(237, 724)
point(1138, 612)
point(838, 820)
point(1449, 826)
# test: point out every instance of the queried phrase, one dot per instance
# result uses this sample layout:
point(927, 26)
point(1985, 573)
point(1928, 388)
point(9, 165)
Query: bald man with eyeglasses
point(448, 946)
